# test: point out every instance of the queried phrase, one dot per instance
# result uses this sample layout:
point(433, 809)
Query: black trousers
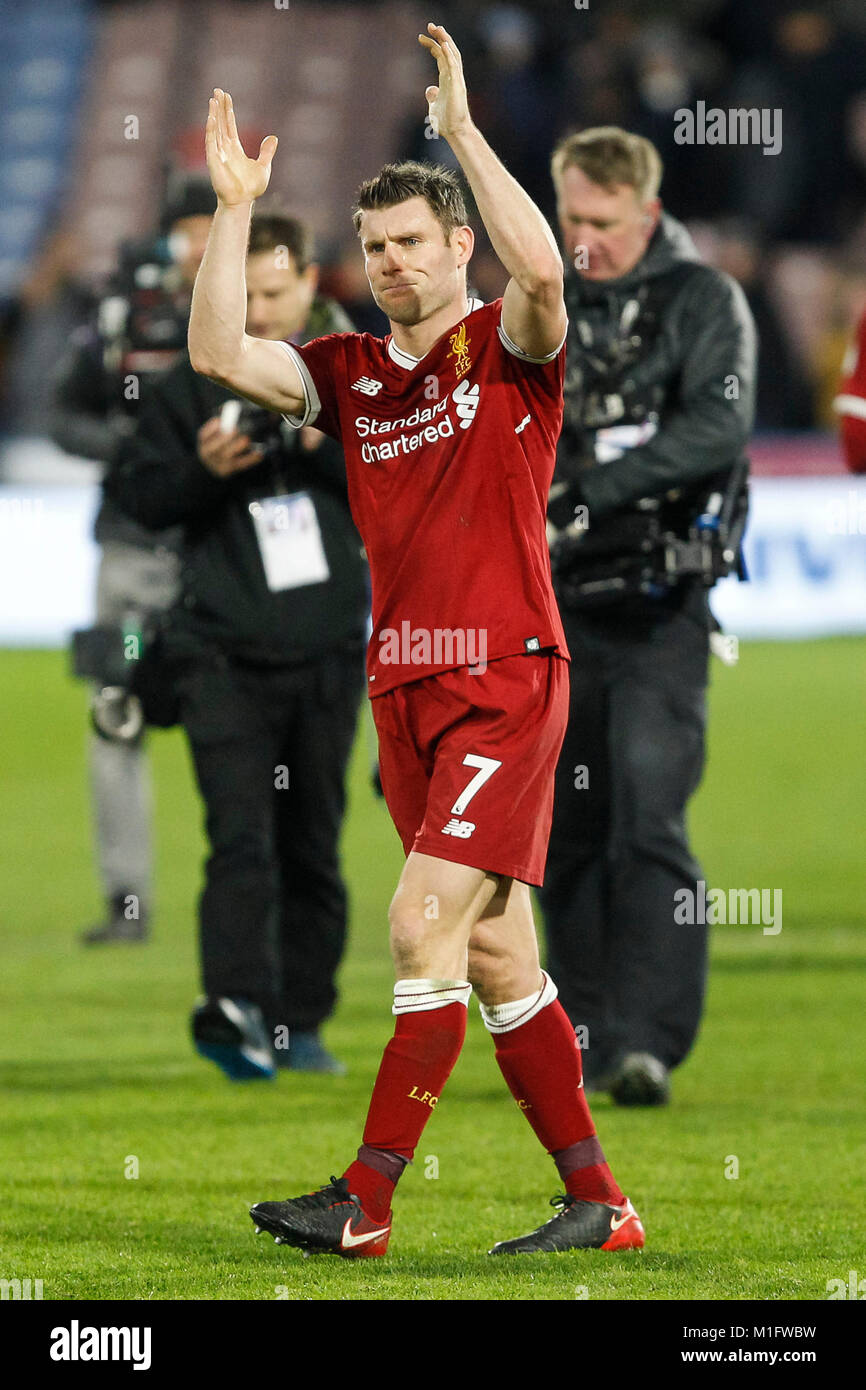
point(633, 755)
point(273, 911)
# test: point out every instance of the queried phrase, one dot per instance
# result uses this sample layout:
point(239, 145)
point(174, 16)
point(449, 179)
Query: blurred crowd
point(791, 227)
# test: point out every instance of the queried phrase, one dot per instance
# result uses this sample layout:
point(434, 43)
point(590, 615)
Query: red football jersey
point(449, 460)
point(851, 402)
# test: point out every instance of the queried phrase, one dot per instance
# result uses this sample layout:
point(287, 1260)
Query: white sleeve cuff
point(850, 405)
point(524, 356)
point(312, 404)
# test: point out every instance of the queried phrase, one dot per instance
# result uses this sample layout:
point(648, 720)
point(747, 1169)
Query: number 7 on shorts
point(486, 768)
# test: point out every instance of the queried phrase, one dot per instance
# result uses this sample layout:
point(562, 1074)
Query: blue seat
point(43, 56)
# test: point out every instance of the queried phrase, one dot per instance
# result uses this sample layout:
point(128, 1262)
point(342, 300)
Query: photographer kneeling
point(646, 511)
point(266, 647)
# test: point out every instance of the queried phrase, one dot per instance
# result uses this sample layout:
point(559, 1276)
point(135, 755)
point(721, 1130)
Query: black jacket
point(670, 343)
point(135, 334)
point(225, 603)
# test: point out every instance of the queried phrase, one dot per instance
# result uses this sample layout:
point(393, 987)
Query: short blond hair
point(609, 156)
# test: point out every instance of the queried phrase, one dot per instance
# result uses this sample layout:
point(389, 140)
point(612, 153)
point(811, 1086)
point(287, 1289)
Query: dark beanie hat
point(192, 198)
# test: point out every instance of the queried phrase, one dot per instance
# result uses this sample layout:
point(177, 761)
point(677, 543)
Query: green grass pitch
point(98, 1070)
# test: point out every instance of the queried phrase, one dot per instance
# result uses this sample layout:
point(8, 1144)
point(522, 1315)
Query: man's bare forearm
point(219, 301)
point(518, 232)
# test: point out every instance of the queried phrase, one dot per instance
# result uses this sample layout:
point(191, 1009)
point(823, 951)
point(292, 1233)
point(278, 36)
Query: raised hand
point(448, 104)
point(235, 177)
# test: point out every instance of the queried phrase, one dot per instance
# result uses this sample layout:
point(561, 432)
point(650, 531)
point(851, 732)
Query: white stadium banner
point(806, 559)
point(48, 563)
point(805, 552)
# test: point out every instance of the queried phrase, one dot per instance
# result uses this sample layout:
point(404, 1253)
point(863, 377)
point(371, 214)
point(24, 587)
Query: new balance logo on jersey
point(367, 385)
point(462, 829)
point(466, 400)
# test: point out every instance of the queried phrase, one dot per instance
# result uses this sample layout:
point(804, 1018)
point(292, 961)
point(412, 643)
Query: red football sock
point(540, 1060)
point(415, 1066)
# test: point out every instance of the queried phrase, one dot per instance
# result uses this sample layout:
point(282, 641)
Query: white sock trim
point(502, 1018)
point(416, 996)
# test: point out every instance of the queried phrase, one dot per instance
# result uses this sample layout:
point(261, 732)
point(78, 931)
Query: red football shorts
point(467, 762)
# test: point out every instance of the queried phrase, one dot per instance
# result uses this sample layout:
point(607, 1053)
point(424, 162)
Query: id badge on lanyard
point(290, 541)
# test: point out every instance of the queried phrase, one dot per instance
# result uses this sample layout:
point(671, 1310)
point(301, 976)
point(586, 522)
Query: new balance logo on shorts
point(461, 828)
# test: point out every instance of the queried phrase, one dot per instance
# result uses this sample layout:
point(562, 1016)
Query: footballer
point(449, 427)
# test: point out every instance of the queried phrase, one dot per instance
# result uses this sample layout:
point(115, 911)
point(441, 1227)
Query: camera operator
point(267, 647)
point(646, 512)
point(140, 330)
